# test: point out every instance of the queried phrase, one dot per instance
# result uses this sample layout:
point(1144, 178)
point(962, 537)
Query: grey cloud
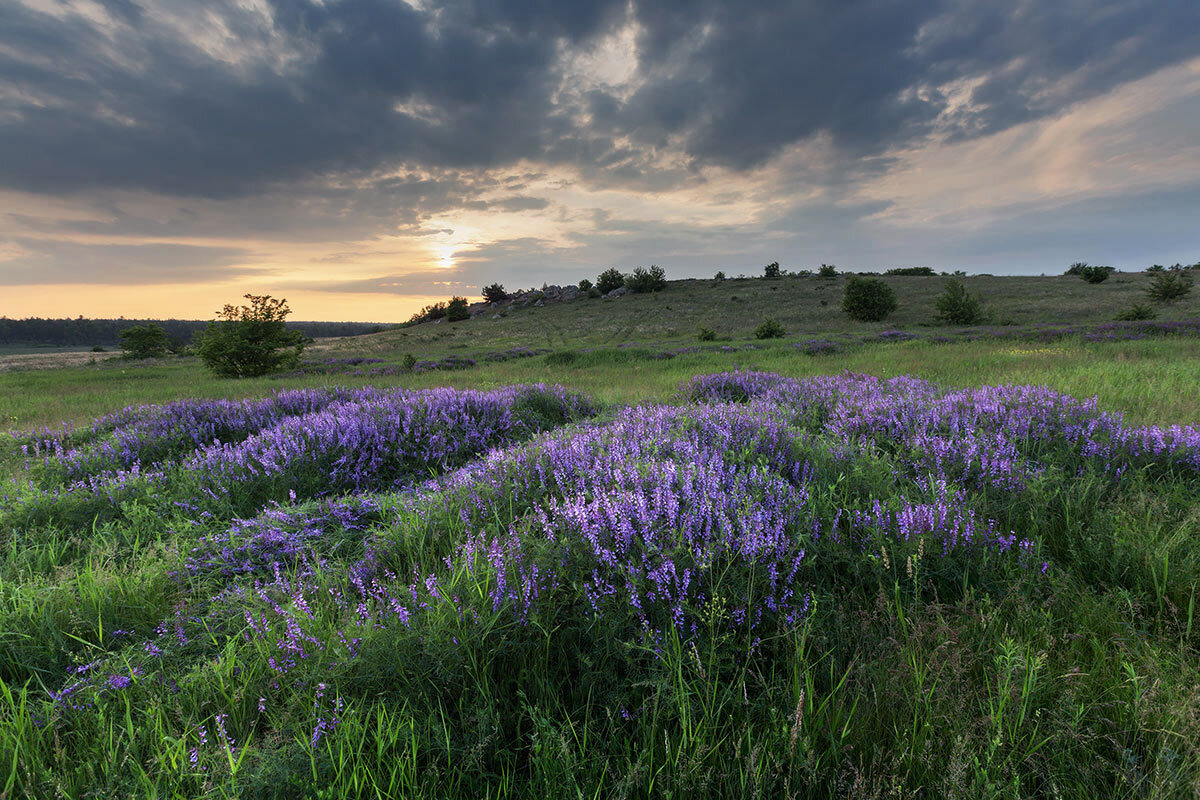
point(120, 264)
point(134, 105)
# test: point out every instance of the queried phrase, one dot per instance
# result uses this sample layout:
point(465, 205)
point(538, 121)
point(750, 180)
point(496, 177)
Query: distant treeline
point(91, 332)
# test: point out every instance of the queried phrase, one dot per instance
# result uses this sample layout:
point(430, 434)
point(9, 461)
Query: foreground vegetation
point(748, 585)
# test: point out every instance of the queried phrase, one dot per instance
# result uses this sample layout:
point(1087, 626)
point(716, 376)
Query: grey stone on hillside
point(618, 292)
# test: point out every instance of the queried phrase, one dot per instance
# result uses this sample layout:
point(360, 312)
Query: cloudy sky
point(360, 157)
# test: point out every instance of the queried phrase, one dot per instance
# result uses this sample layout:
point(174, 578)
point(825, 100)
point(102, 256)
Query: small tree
point(457, 310)
point(827, 271)
point(585, 286)
point(641, 281)
point(1077, 268)
point(1169, 286)
point(250, 340)
point(868, 299)
point(609, 279)
point(145, 341)
point(771, 270)
point(1095, 274)
point(956, 307)
point(769, 329)
point(495, 293)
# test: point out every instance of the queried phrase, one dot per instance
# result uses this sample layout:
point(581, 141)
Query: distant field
point(1149, 379)
point(733, 308)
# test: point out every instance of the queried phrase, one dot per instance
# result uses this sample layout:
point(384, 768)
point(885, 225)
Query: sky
point(160, 158)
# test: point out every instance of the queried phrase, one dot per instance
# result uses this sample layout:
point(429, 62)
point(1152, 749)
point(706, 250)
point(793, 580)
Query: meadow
point(894, 566)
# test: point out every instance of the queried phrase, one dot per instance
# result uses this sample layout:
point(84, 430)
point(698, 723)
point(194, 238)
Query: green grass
point(1151, 380)
point(803, 305)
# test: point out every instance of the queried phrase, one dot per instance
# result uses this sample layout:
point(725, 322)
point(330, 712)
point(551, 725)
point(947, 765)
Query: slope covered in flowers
point(770, 586)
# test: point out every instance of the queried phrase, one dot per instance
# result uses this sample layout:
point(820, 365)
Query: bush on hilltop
point(642, 281)
point(609, 279)
point(868, 299)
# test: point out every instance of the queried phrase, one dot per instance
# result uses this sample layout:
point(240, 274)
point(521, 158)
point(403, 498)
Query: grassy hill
point(734, 307)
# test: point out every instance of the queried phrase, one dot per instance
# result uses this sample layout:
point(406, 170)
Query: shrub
point(1077, 268)
point(707, 335)
point(912, 271)
point(1167, 287)
point(409, 361)
point(609, 279)
point(1156, 268)
point(428, 313)
point(585, 286)
point(98, 349)
point(769, 329)
point(771, 270)
point(1135, 313)
point(641, 281)
point(868, 299)
point(956, 307)
point(720, 276)
point(827, 271)
point(495, 293)
point(144, 341)
point(456, 309)
point(1095, 274)
point(251, 340)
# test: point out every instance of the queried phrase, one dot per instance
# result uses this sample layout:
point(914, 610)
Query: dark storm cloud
point(312, 89)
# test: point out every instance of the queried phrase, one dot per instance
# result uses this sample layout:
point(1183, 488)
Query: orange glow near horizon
point(201, 301)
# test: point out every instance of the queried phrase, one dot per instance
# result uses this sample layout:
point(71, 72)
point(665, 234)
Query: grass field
point(1152, 380)
point(806, 306)
point(766, 583)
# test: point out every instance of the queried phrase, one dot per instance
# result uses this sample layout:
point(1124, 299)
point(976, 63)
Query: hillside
point(734, 307)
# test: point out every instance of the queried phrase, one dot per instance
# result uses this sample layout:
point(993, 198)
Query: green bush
point(1167, 287)
point(144, 341)
point(707, 335)
point(428, 313)
point(924, 272)
point(771, 270)
point(456, 309)
point(1135, 313)
point(769, 329)
point(642, 281)
point(827, 271)
point(868, 299)
point(1076, 269)
point(956, 307)
point(252, 340)
point(609, 279)
point(585, 286)
point(1095, 274)
point(720, 276)
point(495, 293)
